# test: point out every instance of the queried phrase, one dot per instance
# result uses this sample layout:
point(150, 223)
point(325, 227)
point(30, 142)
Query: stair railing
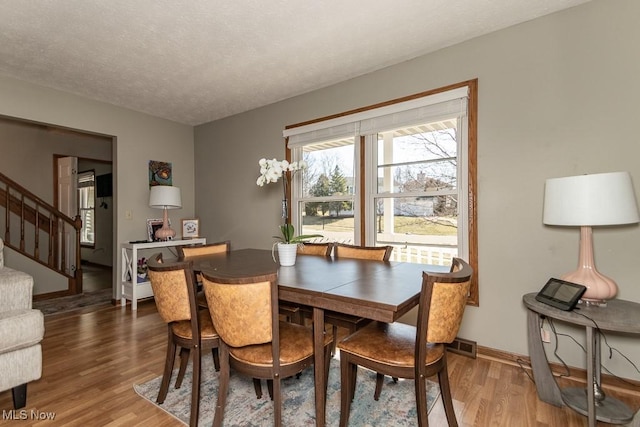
point(28, 221)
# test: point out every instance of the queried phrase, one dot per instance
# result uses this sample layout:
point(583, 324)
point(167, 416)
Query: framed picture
point(152, 226)
point(190, 228)
point(160, 173)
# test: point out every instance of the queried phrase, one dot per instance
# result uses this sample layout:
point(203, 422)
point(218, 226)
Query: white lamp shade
point(590, 200)
point(164, 196)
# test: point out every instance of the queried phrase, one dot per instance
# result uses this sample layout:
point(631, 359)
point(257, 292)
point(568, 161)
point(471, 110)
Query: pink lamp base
point(599, 287)
point(165, 233)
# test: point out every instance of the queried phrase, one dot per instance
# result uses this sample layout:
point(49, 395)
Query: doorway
point(93, 201)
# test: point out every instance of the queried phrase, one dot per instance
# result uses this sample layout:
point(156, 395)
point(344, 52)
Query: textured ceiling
point(193, 61)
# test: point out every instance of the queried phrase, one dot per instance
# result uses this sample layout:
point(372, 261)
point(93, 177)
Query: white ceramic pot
point(287, 253)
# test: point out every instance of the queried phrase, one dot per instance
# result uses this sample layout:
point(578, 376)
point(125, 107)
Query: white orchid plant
point(271, 171)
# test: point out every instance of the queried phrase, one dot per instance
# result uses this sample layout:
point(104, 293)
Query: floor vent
point(464, 347)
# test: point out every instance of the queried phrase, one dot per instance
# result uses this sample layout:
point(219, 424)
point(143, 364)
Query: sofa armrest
point(16, 289)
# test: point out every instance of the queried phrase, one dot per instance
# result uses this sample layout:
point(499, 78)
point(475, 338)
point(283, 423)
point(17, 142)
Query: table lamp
point(587, 201)
point(165, 197)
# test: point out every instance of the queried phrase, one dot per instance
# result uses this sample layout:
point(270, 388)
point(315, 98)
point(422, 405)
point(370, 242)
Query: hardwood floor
point(92, 359)
point(96, 277)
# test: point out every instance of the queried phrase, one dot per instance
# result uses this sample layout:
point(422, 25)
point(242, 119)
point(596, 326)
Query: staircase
point(40, 232)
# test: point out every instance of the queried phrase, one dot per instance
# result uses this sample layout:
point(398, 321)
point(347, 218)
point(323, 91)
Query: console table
point(618, 316)
point(131, 288)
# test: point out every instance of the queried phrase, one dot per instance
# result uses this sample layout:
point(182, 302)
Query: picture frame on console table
point(190, 228)
point(152, 226)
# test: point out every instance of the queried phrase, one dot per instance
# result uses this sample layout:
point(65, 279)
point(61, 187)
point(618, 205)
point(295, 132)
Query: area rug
point(396, 405)
point(95, 299)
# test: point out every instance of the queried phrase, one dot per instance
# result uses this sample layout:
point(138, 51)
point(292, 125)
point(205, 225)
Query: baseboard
point(629, 386)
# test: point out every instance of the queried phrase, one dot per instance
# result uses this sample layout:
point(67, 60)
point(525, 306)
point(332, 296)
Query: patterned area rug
point(396, 406)
point(95, 299)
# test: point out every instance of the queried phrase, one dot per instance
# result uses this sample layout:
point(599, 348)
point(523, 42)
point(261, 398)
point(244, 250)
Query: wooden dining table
point(377, 290)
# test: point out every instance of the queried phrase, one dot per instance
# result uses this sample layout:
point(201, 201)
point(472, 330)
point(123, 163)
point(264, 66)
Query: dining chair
point(189, 252)
point(253, 340)
point(341, 250)
point(413, 352)
point(319, 249)
point(189, 327)
point(186, 253)
point(294, 312)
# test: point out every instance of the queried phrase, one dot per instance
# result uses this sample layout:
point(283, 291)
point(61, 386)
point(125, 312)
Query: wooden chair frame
point(273, 373)
point(347, 321)
point(461, 274)
point(156, 264)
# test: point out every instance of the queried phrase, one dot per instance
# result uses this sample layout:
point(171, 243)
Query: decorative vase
point(287, 253)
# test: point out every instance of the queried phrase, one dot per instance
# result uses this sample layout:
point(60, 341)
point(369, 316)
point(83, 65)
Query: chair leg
point(421, 400)
point(195, 388)
point(335, 340)
point(184, 361)
point(270, 388)
point(327, 367)
point(224, 386)
point(216, 359)
point(257, 387)
point(345, 389)
point(276, 396)
point(168, 368)
point(379, 382)
point(445, 390)
point(19, 394)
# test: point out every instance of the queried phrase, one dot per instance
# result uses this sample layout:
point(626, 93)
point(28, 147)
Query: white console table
point(132, 289)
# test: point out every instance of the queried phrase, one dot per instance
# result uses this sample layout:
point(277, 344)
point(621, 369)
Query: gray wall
point(557, 97)
point(138, 139)
point(27, 156)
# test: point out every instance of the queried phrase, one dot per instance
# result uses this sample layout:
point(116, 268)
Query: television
point(104, 186)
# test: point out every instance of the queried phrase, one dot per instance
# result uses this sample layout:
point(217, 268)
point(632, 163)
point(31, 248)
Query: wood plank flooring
point(93, 358)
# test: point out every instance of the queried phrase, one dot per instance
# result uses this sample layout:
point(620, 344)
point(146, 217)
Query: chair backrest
point(187, 252)
point(321, 249)
point(379, 253)
point(442, 302)
point(244, 310)
point(173, 289)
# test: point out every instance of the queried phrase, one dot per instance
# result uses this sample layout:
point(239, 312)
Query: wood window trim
point(472, 188)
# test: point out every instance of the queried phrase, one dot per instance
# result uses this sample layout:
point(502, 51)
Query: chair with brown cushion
point(347, 321)
point(253, 340)
point(188, 326)
point(189, 252)
point(186, 253)
point(393, 348)
point(319, 249)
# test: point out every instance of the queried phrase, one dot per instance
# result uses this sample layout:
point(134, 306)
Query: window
point(401, 173)
point(86, 205)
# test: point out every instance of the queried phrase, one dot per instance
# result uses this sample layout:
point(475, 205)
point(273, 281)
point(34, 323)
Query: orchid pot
point(287, 245)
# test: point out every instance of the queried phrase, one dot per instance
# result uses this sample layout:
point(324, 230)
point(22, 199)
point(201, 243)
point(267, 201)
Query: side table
point(617, 316)
point(131, 288)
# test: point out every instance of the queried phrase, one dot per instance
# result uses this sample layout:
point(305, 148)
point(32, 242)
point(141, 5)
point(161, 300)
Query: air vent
point(464, 347)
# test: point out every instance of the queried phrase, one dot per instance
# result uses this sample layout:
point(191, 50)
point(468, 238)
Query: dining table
point(377, 290)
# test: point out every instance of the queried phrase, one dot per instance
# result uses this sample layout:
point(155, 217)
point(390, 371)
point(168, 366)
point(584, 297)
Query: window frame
point(363, 156)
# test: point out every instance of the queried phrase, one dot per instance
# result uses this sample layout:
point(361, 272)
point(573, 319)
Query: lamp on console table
point(165, 197)
point(587, 201)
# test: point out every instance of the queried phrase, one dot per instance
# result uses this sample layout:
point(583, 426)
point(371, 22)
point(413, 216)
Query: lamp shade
point(164, 196)
point(590, 200)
